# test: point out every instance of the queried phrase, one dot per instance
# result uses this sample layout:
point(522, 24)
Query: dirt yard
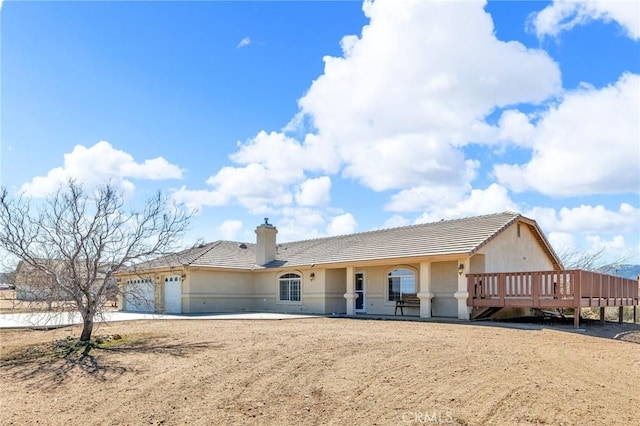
point(323, 371)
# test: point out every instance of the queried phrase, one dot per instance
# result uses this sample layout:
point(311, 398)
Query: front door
point(360, 303)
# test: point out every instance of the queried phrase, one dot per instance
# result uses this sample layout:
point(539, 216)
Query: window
point(290, 288)
point(140, 281)
point(401, 282)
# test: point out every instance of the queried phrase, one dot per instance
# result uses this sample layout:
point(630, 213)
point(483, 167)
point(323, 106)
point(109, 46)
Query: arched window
point(289, 285)
point(401, 282)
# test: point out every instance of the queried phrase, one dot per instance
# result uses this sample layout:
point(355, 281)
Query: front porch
point(552, 289)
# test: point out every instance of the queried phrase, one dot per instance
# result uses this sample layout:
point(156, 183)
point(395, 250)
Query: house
point(7, 280)
point(34, 284)
point(37, 283)
point(367, 272)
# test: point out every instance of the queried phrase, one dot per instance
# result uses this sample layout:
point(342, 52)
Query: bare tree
point(578, 259)
point(79, 239)
point(589, 261)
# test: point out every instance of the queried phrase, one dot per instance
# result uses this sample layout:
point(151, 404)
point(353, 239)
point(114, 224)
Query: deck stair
point(484, 313)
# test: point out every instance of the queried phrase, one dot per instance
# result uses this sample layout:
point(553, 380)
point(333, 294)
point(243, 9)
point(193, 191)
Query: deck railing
point(551, 289)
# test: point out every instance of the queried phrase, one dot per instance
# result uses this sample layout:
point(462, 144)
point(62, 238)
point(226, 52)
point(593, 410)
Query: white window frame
point(413, 274)
point(290, 278)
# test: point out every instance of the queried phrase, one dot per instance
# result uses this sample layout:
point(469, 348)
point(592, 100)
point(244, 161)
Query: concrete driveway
point(61, 319)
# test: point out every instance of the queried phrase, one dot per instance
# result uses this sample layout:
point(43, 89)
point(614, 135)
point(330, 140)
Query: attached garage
point(173, 295)
point(139, 296)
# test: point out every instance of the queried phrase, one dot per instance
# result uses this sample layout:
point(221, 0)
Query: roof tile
point(458, 236)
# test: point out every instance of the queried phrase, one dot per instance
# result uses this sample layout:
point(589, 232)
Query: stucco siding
point(477, 264)
point(444, 284)
point(312, 292)
point(266, 287)
point(335, 284)
point(508, 252)
point(443, 306)
point(205, 291)
point(376, 288)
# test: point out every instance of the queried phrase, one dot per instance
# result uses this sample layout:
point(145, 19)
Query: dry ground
point(323, 371)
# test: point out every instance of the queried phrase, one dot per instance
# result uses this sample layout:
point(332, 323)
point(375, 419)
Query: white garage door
point(140, 296)
point(173, 295)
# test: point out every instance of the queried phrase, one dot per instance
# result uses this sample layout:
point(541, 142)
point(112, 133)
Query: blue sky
point(334, 117)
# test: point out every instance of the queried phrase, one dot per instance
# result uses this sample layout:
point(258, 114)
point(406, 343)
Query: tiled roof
point(459, 236)
point(444, 237)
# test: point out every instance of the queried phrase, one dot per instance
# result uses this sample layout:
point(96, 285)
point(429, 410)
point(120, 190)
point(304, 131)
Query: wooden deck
point(551, 289)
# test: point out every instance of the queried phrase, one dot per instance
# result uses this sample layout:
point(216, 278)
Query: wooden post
point(635, 318)
point(602, 315)
point(575, 286)
point(536, 284)
point(620, 314)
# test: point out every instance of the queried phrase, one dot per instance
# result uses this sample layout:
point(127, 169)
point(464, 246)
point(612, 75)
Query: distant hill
point(626, 271)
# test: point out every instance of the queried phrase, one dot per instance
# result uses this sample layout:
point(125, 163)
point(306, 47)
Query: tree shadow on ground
point(51, 364)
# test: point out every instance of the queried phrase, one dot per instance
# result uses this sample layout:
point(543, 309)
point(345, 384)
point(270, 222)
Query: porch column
point(425, 295)
point(350, 295)
point(464, 312)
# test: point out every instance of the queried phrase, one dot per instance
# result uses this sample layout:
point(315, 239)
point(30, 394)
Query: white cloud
point(588, 229)
point(562, 242)
point(396, 221)
point(304, 217)
point(420, 198)
point(588, 144)
point(244, 43)
point(402, 161)
point(253, 187)
point(393, 111)
point(563, 15)
point(100, 163)
point(272, 167)
point(413, 87)
point(587, 219)
point(494, 198)
point(195, 199)
point(343, 224)
point(314, 192)
point(300, 223)
point(285, 155)
point(614, 249)
point(515, 127)
point(229, 229)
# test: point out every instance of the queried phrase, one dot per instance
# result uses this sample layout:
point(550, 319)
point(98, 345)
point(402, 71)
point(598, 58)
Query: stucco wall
point(510, 253)
point(444, 284)
point(477, 264)
point(265, 287)
point(204, 291)
point(376, 288)
point(335, 285)
point(312, 297)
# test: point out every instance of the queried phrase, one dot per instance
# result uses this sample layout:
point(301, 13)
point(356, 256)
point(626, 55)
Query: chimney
point(266, 243)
